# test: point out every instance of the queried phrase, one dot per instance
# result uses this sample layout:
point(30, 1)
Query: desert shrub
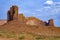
point(1, 34)
point(56, 36)
point(8, 35)
point(21, 37)
point(39, 37)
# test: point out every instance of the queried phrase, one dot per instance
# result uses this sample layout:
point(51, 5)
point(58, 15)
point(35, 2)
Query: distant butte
point(28, 24)
point(13, 15)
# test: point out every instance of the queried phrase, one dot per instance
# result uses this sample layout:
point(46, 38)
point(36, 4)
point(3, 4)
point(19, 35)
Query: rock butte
point(28, 24)
point(13, 15)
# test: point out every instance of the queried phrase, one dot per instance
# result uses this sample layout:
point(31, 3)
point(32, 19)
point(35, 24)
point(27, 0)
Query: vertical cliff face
point(8, 16)
point(15, 12)
point(12, 13)
point(51, 22)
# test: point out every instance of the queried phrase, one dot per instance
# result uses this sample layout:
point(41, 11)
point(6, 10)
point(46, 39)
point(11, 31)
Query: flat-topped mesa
point(51, 22)
point(12, 13)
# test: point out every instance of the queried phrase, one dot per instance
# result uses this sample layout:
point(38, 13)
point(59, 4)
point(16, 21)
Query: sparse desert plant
point(21, 37)
point(6, 34)
point(39, 37)
point(56, 36)
point(1, 34)
point(10, 35)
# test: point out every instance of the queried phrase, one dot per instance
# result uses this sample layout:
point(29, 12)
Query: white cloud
point(49, 2)
point(48, 11)
point(43, 9)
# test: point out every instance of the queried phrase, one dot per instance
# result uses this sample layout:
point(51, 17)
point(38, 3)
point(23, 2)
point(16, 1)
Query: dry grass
point(26, 36)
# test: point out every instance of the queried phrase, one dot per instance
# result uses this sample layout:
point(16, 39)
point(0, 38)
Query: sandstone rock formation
point(12, 13)
point(19, 23)
point(8, 16)
point(21, 17)
point(34, 21)
point(51, 22)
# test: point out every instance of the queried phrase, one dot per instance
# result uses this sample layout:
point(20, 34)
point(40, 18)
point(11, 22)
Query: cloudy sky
point(42, 9)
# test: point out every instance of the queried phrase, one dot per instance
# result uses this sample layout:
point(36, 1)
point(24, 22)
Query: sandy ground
point(2, 22)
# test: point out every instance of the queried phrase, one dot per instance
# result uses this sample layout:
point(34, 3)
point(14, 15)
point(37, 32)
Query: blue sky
point(42, 9)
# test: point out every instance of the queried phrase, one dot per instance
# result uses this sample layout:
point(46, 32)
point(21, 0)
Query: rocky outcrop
point(51, 22)
point(9, 16)
point(21, 18)
point(12, 13)
point(34, 21)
